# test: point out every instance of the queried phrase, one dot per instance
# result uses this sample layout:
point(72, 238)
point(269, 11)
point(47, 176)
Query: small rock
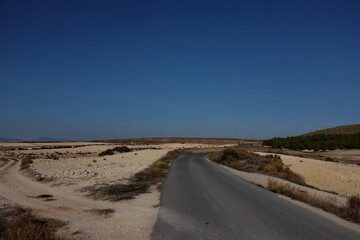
point(94, 160)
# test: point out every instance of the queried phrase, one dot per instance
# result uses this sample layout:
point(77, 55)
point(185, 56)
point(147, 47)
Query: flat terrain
point(70, 168)
point(336, 177)
point(203, 200)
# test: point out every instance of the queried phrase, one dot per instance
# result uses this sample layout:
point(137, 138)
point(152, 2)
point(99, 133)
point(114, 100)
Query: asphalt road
point(202, 200)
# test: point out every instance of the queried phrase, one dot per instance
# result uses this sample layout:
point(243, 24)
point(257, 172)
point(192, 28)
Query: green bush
point(316, 142)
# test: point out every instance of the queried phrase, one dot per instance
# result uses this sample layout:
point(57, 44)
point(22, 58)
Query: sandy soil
point(71, 174)
point(341, 178)
point(131, 220)
point(79, 167)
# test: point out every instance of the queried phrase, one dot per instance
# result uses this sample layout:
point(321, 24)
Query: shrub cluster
point(121, 149)
point(26, 161)
point(316, 142)
point(18, 223)
point(250, 162)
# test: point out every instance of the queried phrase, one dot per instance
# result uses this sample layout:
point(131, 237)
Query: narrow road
point(202, 200)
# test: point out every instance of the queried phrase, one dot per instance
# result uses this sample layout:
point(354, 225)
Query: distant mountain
point(10, 139)
point(347, 129)
point(47, 139)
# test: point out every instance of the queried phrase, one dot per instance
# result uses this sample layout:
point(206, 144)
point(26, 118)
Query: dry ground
point(341, 178)
point(69, 170)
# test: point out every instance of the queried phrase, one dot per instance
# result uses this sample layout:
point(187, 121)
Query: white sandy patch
point(86, 171)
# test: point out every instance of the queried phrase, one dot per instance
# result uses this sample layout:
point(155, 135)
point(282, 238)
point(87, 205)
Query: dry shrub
point(350, 212)
point(273, 167)
point(53, 157)
point(106, 212)
point(22, 224)
point(329, 159)
point(353, 209)
point(120, 149)
point(106, 152)
point(250, 162)
point(26, 161)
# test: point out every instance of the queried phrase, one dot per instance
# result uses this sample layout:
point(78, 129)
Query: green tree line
point(316, 142)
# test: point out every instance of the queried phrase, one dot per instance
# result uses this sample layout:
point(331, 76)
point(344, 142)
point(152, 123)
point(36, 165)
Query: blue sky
point(120, 69)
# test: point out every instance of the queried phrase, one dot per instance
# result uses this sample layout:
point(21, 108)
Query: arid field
point(53, 185)
point(54, 180)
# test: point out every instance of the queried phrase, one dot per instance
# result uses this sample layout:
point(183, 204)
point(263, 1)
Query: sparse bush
point(26, 161)
point(101, 212)
point(53, 157)
point(106, 152)
point(121, 149)
point(21, 224)
point(329, 159)
point(250, 162)
point(353, 209)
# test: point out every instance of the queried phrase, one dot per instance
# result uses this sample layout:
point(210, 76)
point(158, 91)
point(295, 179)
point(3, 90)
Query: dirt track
point(131, 219)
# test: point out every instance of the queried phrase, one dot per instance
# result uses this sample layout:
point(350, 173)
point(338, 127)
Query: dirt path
point(131, 220)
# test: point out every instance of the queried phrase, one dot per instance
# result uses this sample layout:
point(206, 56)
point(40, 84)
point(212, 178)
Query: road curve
point(202, 200)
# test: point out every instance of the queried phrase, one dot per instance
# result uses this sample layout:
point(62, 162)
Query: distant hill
point(10, 139)
point(47, 139)
point(162, 140)
point(342, 137)
point(347, 129)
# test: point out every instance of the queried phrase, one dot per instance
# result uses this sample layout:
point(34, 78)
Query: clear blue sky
point(119, 69)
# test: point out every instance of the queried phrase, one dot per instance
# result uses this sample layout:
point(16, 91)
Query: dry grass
point(18, 223)
point(250, 162)
point(3, 161)
point(116, 192)
point(26, 161)
point(139, 183)
point(349, 212)
point(106, 212)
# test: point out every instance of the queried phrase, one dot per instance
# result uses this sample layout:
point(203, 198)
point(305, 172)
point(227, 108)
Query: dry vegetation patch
point(106, 212)
point(18, 223)
point(250, 162)
point(139, 183)
point(351, 211)
point(26, 161)
point(121, 149)
point(3, 161)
